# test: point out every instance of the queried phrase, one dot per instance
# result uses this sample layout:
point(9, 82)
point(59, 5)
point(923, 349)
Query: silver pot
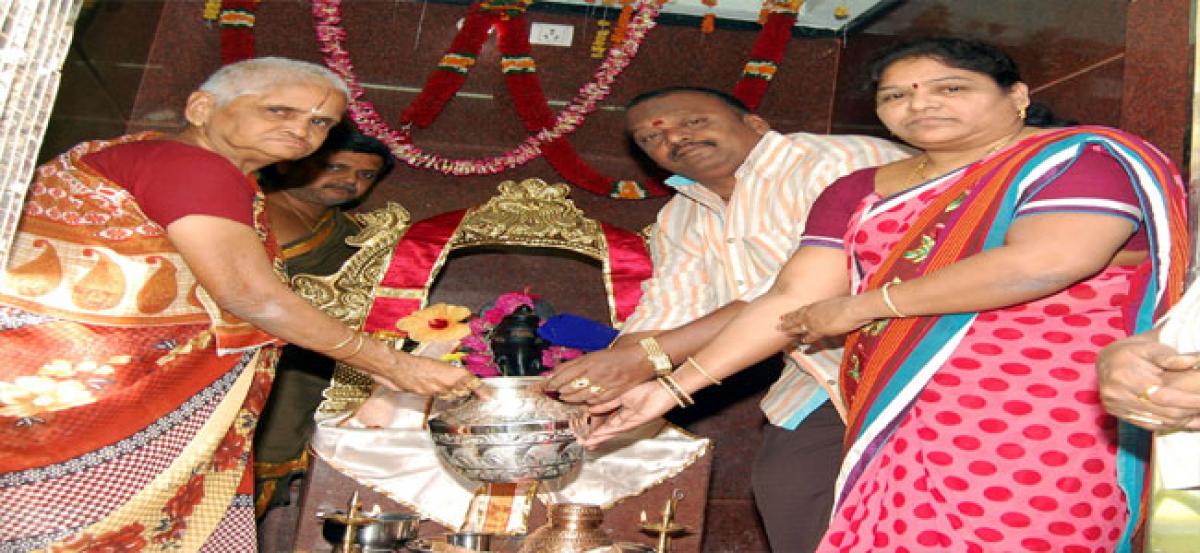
point(516, 434)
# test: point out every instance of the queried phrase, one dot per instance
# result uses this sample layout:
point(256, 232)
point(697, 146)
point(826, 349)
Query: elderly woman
point(984, 275)
point(140, 318)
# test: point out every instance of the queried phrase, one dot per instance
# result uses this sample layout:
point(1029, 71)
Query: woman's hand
point(634, 408)
point(823, 319)
point(424, 376)
point(1149, 384)
point(600, 376)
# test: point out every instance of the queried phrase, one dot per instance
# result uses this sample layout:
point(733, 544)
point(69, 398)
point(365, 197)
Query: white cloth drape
point(400, 462)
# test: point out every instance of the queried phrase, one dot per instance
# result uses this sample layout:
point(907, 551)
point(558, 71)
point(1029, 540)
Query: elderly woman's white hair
point(258, 74)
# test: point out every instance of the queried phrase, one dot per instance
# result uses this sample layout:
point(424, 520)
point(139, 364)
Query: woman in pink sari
point(984, 275)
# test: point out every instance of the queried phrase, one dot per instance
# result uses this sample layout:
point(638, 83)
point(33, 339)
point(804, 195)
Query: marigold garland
point(212, 9)
point(600, 41)
point(618, 33)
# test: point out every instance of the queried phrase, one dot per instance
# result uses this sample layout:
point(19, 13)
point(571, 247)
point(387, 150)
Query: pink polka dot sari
point(984, 431)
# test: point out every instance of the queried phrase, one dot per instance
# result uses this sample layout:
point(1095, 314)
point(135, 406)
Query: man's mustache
point(346, 187)
point(674, 154)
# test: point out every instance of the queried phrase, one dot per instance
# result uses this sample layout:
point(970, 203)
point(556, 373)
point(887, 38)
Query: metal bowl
point(516, 434)
point(382, 530)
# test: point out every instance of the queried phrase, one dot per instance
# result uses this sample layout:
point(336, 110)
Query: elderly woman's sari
point(984, 431)
point(128, 399)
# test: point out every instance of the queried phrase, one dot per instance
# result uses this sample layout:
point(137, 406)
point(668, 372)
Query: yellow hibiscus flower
point(437, 323)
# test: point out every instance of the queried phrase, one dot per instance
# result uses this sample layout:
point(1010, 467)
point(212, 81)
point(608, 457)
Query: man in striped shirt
point(744, 192)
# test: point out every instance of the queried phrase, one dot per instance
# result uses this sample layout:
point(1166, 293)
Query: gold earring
point(1021, 113)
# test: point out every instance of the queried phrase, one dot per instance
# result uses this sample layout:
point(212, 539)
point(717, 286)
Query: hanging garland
point(549, 133)
point(767, 52)
point(236, 19)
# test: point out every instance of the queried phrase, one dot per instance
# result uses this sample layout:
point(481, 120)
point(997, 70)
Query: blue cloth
point(676, 181)
point(577, 332)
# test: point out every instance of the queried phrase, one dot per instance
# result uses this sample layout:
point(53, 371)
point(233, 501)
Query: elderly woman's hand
point(1149, 384)
point(601, 376)
point(831, 317)
point(427, 377)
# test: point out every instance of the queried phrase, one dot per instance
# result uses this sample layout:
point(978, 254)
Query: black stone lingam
point(516, 346)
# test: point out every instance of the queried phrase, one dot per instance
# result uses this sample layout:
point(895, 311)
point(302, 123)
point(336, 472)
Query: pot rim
point(437, 426)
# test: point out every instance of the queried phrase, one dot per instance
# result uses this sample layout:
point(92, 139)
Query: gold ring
point(581, 383)
point(1149, 391)
point(1143, 418)
point(474, 383)
point(596, 390)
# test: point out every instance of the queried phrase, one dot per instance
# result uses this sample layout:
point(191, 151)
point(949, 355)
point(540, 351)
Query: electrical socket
point(551, 34)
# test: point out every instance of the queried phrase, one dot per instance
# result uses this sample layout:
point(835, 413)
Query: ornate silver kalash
point(517, 434)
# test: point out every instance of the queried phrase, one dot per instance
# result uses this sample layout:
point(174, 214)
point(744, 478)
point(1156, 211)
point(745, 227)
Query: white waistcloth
point(399, 461)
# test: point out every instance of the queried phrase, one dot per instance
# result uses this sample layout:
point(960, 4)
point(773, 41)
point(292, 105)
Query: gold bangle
point(678, 389)
point(362, 341)
point(339, 345)
point(670, 392)
point(658, 358)
point(699, 369)
point(887, 299)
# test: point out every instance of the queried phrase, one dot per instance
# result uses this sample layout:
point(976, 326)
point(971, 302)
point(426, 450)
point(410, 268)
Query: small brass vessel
point(573, 528)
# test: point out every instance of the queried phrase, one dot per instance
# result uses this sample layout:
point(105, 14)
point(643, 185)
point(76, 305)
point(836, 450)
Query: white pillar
point(34, 38)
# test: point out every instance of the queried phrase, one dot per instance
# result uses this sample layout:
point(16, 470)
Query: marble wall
point(1099, 61)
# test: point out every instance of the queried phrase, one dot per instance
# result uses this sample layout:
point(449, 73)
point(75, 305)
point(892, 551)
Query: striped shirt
point(708, 253)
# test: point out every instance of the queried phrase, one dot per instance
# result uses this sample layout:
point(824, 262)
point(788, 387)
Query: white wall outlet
point(551, 34)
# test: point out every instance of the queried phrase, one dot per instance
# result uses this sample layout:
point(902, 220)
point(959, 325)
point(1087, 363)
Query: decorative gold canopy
point(529, 213)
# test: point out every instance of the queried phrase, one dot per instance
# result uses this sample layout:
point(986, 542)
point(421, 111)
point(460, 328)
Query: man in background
point(305, 201)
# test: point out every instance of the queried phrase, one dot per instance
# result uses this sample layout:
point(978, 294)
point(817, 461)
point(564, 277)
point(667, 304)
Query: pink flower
point(477, 359)
point(480, 364)
point(511, 301)
point(505, 305)
point(474, 343)
point(479, 327)
point(493, 316)
point(484, 371)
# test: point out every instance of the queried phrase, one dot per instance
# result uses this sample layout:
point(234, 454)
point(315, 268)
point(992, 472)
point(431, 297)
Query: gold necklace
point(918, 175)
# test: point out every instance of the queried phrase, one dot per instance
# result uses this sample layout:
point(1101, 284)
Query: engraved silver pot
point(517, 434)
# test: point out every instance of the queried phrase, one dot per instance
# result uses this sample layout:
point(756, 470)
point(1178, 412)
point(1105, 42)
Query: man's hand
point(1149, 384)
point(601, 376)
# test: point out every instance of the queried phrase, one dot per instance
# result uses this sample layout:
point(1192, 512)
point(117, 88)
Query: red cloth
point(171, 180)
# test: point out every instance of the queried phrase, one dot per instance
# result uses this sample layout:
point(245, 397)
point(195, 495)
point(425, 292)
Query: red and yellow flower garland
point(549, 132)
point(236, 19)
point(767, 52)
point(549, 139)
